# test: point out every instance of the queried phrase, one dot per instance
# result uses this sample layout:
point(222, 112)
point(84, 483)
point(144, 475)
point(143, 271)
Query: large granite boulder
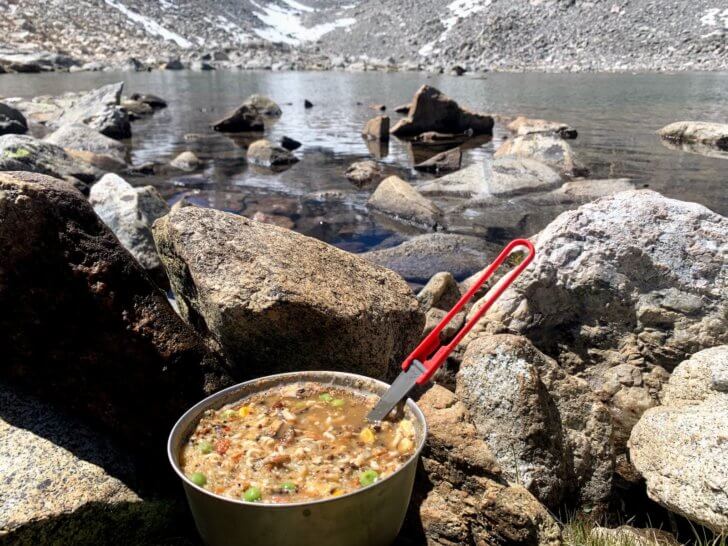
point(277, 301)
point(463, 183)
point(78, 136)
point(432, 110)
point(516, 176)
point(546, 428)
point(25, 153)
point(461, 496)
point(82, 325)
point(623, 289)
point(130, 213)
point(397, 198)
point(99, 109)
point(712, 135)
point(680, 446)
point(12, 121)
point(549, 149)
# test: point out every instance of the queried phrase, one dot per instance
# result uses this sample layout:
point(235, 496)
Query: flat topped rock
point(713, 134)
point(78, 136)
point(396, 197)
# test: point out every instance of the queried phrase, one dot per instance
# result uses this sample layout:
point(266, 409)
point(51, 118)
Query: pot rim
point(205, 403)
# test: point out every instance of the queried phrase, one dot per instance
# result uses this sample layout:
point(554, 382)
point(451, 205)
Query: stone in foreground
point(278, 301)
point(432, 110)
point(680, 447)
point(396, 197)
point(81, 323)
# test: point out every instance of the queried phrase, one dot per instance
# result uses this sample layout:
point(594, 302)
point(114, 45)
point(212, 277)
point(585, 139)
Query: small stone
point(186, 161)
point(265, 154)
point(377, 129)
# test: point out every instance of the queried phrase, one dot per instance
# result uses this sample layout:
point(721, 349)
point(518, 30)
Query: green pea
point(198, 478)
point(252, 494)
point(337, 402)
point(229, 414)
point(368, 477)
point(289, 487)
point(205, 447)
point(326, 397)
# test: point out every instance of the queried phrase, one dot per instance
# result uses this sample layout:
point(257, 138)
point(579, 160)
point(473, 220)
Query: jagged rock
point(186, 161)
point(621, 290)
point(99, 109)
point(396, 197)
point(276, 300)
point(443, 162)
point(419, 258)
point(264, 106)
point(713, 135)
point(463, 183)
point(516, 176)
point(553, 151)
point(377, 128)
point(82, 325)
point(441, 291)
point(547, 429)
point(307, 104)
point(290, 144)
point(403, 108)
point(460, 495)
point(25, 153)
point(243, 119)
point(130, 213)
point(432, 110)
point(526, 126)
point(679, 447)
point(78, 136)
point(154, 101)
point(625, 534)
point(136, 109)
point(12, 121)
point(362, 173)
point(266, 154)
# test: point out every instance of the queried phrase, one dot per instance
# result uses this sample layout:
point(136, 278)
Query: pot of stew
point(291, 459)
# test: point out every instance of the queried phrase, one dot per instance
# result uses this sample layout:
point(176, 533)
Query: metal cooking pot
point(370, 516)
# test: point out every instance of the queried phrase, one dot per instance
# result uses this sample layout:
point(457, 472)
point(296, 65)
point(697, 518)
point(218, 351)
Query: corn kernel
point(367, 435)
point(244, 411)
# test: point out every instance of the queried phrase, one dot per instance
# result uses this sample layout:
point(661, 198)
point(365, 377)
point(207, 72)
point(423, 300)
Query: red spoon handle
point(430, 352)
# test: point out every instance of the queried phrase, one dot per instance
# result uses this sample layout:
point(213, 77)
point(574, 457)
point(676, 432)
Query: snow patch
point(284, 23)
point(459, 9)
point(715, 17)
point(150, 25)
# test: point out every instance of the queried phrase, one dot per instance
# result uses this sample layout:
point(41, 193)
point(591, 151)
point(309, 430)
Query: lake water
point(616, 116)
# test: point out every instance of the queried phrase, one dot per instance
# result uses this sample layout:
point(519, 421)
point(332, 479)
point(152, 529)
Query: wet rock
point(553, 151)
point(266, 154)
point(397, 198)
point(526, 126)
point(130, 212)
point(154, 101)
point(186, 161)
point(460, 494)
point(419, 258)
point(441, 139)
point(12, 121)
point(713, 135)
point(136, 109)
point(362, 173)
point(377, 128)
point(546, 428)
point(444, 162)
point(307, 104)
point(290, 144)
point(276, 300)
point(243, 119)
point(264, 106)
point(403, 108)
point(625, 534)
point(99, 109)
point(466, 182)
point(517, 176)
point(431, 110)
point(621, 290)
point(25, 153)
point(79, 315)
point(679, 447)
point(78, 136)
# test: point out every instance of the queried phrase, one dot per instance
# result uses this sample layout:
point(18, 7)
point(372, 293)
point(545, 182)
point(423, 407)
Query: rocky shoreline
point(599, 377)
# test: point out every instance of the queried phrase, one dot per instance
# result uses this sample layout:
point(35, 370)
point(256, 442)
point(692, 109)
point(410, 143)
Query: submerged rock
point(377, 128)
point(277, 301)
point(713, 135)
point(130, 213)
point(264, 106)
point(526, 126)
point(679, 447)
point(432, 110)
point(266, 154)
point(396, 197)
point(546, 428)
point(154, 101)
point(78, 136)
point(99, 109)
point(362, 173)
point(82, 324)
point(516, 176)
point(12, 121)
point(466, 182)
point(548, 149)
point(444, 162)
